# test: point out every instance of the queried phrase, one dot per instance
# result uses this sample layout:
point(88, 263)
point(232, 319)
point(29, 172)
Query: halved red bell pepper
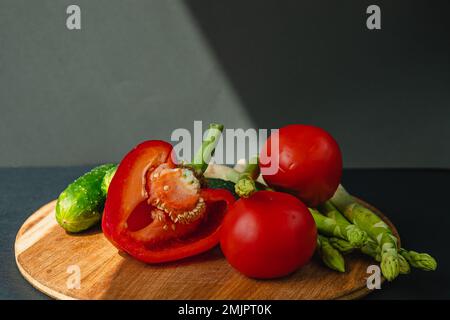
point(131, 218)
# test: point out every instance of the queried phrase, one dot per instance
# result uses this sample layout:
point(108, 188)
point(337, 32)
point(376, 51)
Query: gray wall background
point(139, 69)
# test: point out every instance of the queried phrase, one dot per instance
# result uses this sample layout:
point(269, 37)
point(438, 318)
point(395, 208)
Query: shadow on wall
point(316, 62)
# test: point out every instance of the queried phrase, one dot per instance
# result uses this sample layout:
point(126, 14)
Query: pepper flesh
point(157, 212)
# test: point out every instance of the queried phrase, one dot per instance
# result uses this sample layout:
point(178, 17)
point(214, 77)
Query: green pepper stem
point(204, 154)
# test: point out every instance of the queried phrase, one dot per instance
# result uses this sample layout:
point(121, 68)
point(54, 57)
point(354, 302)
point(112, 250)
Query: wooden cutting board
point(49, 258)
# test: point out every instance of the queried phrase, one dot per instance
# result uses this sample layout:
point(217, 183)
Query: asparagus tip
point(330, 256)
point(403, 265)
point(418, 260)
point(356, 236)
point(390, 266)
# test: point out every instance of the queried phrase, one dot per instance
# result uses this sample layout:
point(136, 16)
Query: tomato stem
point(245, 184)
point(204, 154)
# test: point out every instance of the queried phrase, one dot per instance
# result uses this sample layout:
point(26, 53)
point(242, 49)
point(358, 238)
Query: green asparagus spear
point(330, 256)
point(328, 209)
point(403, 265)
point(342, 245)
point(418, 260)
point(369, 222)
point(372, 249)
point(333, 228)
point(359, 236)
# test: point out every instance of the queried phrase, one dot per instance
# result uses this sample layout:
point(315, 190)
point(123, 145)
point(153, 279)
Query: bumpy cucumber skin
point(107, 179)
point(80, 205)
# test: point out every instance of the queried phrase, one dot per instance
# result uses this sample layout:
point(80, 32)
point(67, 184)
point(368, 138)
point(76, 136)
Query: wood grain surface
point(45, 253)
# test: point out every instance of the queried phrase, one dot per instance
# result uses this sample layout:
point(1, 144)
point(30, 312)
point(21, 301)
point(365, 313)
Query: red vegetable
point(268, 235)
point(309, 166)
point(157, 212)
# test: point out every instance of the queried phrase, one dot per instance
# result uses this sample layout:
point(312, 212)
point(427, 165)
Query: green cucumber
point(80, 205)
point(107, 179)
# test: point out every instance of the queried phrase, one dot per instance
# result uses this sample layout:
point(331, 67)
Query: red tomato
point(309, 166)
point(268, 235)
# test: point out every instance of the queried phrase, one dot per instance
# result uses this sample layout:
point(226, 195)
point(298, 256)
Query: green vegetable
point(369, 222)
point(372, 249)
point(328, 209)
point(403, 265)
point(418, 260)
point(215, 183)
point(342, 245)
point(330, 256)
point(405, 258)
point(359, 236)
point(80, 205)
point(107, 179)
point(333, 228)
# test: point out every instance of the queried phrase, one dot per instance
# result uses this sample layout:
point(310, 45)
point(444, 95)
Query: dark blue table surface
point(415, 200)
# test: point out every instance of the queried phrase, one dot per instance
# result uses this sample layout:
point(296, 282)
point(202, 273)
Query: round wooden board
point(47, 257)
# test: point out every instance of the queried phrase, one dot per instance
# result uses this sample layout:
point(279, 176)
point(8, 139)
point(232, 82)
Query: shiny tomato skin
point(268, 235)
point(310, 163)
